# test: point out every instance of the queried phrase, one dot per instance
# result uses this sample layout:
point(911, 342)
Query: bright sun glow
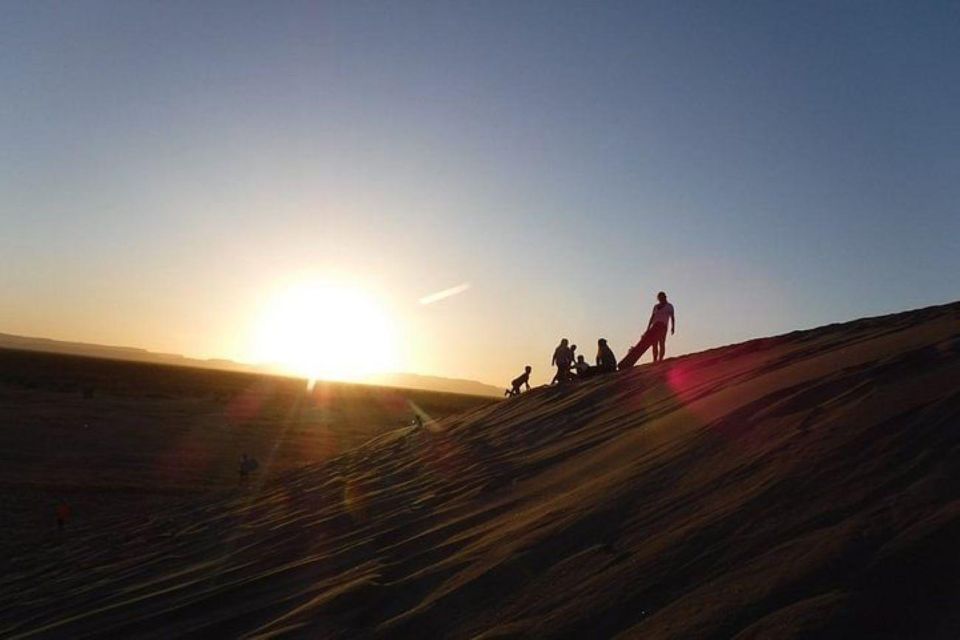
point(325, 330)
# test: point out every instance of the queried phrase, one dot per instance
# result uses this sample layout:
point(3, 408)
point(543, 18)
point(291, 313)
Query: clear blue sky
point(771, 165)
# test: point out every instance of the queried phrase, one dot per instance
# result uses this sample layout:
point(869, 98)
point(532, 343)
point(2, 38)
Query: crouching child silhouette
point(519, 381)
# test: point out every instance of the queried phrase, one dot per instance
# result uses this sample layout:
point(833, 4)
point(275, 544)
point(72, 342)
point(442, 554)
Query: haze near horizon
point(449, 189)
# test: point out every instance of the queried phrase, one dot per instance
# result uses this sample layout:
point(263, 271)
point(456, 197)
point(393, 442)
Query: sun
point(325, 330)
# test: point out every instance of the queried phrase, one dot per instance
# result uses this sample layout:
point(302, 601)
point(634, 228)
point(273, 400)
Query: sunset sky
point(169, 170)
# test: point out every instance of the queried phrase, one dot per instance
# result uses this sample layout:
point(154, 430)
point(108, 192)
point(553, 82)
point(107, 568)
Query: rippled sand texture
point(806, 485)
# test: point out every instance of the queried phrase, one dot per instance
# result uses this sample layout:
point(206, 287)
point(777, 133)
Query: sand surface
point(806, 485)
point(118, 438)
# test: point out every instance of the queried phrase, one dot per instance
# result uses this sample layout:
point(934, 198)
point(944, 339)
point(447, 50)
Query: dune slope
point(806, 485)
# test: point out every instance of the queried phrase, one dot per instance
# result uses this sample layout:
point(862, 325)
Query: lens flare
point(446, 293)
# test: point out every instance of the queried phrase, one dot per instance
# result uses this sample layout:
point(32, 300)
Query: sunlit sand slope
point(806, 485)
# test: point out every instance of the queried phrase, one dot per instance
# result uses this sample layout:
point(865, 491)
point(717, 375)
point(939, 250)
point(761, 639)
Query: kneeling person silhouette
point(519, 381)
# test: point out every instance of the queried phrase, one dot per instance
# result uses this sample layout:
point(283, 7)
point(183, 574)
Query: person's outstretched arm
point(650, 322)
point(673, 322)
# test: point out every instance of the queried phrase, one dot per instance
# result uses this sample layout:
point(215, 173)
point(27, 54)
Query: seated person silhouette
point(583, 369)
point(606, 361)
point(516, 383)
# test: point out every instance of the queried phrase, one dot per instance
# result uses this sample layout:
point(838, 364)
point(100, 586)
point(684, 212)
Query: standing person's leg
point(663, 343)
point(658, 338)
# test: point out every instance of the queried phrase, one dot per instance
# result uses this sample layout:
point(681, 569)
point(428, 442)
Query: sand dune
point(806, 485)
point(119, 438)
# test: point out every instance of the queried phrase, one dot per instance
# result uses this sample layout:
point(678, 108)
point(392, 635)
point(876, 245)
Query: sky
point(167, 168)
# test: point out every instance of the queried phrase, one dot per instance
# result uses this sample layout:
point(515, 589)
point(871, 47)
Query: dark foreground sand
point(119, 439)
point(806, 485)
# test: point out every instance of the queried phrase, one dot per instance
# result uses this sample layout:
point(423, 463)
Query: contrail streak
point(446, 293)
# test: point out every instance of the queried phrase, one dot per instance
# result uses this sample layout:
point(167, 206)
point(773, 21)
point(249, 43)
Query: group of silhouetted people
point(571, 366)
point(574, 367)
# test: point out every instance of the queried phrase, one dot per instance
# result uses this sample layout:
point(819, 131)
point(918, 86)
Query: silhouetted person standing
point(562, 359)
point(606, 361)
point(655, 336)
point(662, 314)
point(573, 362)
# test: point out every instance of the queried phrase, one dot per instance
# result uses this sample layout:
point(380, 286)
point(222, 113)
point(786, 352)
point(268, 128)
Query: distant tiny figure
point(606, 361)
point(418, 421)
point(519, 381)
point(64, 512)
point(244, 468)
point(583, 369)
point(247, 466)
point(562, 359)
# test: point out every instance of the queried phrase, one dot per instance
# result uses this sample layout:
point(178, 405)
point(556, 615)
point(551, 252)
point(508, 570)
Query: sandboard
point(636, 351)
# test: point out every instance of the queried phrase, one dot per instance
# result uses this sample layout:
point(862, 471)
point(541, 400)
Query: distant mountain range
point(406, 380)
point(434, 383)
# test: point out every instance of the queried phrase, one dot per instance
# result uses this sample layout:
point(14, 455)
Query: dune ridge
point(796, 486)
